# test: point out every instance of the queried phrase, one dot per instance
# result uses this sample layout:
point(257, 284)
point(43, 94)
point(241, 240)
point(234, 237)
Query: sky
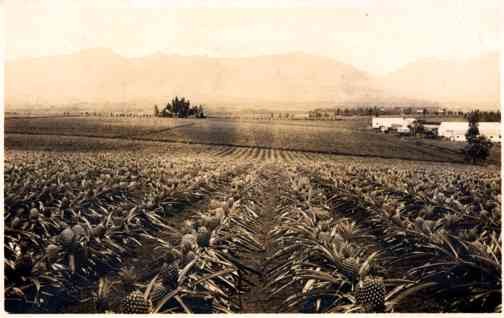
point(374, 36)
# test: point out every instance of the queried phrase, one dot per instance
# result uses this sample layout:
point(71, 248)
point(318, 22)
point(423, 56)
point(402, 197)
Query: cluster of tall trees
point(180, 108)
point(485, 116)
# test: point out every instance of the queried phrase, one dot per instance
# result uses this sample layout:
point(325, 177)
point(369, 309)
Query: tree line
point(324, 114)
point(484, 116)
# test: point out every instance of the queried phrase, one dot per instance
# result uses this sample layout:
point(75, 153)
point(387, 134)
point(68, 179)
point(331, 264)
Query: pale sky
point(374, 36)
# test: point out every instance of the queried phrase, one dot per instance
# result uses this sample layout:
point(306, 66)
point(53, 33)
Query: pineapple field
point(352, 137)
point(127, 226)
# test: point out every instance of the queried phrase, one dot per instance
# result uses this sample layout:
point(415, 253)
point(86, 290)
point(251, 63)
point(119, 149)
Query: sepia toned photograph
point(236, 157)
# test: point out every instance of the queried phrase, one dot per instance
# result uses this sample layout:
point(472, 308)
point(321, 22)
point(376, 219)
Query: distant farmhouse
point(392, 123)
point(456, 131)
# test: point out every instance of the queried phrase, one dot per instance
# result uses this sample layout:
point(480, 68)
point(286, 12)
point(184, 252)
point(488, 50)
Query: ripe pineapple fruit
point(169, 274)
point(135, 303)
point(67, 238)
point(52, 252)
point(188, 243)
point(370, 293)
point(203, 236)
point(34, 214)
point(211, 222)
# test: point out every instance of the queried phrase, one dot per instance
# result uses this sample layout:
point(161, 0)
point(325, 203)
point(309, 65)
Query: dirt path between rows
point(257, 299)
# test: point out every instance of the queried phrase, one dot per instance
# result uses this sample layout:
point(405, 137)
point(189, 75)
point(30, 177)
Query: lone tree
point(417, 127)
point(473, 132)
point(478, 147)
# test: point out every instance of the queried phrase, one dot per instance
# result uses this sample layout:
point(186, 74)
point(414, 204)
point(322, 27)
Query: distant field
point(348, 137)
point(91, 126)
point(107, 146)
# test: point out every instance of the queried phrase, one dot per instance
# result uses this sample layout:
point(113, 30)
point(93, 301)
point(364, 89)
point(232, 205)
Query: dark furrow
point(257, 153)
point(290, 155)
point(283, 156)
point(238, 154)
point(262, 156)
point(249, 154)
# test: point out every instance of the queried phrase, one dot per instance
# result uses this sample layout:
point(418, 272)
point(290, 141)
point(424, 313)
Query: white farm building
point(456, 130)
point(386, 123)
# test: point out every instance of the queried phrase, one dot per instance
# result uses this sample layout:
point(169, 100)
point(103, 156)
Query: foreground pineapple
point(203, 236)
point(188, 243)
point(135, 303)
point(67, 238)
point(370, 293)
point(211, 222)
point(169, 274)
point(52, 252)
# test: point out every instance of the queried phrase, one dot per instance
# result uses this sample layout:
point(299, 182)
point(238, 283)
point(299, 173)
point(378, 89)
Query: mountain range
point(102, 76)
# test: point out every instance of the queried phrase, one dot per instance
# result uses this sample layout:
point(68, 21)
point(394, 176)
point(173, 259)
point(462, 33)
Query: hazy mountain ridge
point(100, 75)
point(474, 80)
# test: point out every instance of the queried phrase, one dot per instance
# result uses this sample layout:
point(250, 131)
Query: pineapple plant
point(52, 252)
point(203, 236)
point(188, 243)
point(67, 238)
point(210, 222)
point(34, 214)
point(135, 303)
point(421, 226)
